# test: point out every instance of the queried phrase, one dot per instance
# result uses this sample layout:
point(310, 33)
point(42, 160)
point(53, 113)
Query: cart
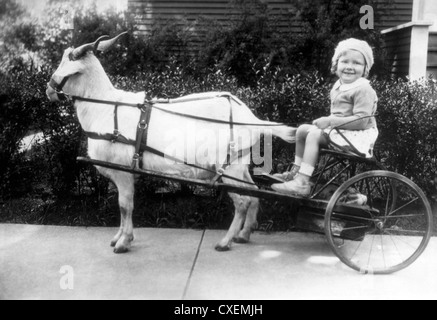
point(374, 220)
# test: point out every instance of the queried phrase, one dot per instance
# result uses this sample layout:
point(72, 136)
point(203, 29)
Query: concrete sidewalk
point(178, 264)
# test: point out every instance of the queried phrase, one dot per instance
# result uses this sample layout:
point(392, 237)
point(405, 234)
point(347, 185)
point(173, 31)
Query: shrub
point(408, 129)
point(19, 109)
point(406, 119)
point(52, 162)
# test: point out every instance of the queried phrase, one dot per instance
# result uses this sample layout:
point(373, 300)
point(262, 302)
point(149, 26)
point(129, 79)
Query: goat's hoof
point(113, 243)
point(121, 250)
point(241, 240)
point(222, 248)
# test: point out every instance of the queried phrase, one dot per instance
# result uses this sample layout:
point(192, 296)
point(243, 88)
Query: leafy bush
point(20, 106)
point(52, 162)
point(406, 116)
point(407, 121)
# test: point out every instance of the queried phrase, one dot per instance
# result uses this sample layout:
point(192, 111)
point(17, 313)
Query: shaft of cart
point(376, 222)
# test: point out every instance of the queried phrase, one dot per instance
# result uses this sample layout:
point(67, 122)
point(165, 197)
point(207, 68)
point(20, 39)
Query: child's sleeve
point(364, 103)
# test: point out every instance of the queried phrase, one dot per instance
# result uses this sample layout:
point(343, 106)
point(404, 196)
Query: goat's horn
point(79, 52)
point(107, 44)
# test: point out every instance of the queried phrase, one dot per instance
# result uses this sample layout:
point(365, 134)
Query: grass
point(191, 209)
point(157, 205)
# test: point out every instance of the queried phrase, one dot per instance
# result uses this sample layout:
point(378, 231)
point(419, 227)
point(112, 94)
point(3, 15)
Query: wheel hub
point(379, 225)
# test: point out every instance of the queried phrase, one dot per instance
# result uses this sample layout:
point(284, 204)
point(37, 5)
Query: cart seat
point(360, 158)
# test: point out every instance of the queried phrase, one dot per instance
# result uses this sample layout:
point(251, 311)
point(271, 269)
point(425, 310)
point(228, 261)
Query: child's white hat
point(357, 45)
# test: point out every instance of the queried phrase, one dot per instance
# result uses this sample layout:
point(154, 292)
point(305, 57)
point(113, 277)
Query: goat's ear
point(104, 46)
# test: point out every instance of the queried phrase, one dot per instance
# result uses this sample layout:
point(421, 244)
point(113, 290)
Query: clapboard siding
point(195, 15)
point(394, 13)
point(390, 12)
point(398, 45)
point(147, 12)
point(432, 55)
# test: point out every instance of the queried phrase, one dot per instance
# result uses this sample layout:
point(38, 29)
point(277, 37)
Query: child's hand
point(322, 123)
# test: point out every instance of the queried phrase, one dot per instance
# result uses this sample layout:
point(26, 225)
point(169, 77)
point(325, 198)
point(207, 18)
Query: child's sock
point(297, 161)
point(305, 173)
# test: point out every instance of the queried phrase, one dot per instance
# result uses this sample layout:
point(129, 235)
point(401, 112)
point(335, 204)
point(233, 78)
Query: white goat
point(81, 74)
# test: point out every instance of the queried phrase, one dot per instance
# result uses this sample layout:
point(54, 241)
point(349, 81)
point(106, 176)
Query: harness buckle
point(233, 146)
point(143, 125)
point(222, 171)
point(115, 136)
point(135, 160)
point(62, 96)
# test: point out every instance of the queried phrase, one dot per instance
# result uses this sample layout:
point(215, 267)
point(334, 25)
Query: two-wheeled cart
point(375, 221)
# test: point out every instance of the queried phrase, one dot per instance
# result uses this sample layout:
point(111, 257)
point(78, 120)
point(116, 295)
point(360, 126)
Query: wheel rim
point(378, 222)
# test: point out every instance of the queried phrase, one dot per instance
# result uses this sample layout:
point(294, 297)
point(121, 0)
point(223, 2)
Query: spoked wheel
point(334, 168)
point(378, 222)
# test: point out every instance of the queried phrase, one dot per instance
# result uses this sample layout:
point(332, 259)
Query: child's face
point(351, 66)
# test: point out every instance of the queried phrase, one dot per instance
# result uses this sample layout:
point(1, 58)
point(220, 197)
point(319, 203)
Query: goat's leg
point(124, 236)
point(251, 216)
point(244, 206)
point(118, 235)
point(251, 222)
point(241, 205)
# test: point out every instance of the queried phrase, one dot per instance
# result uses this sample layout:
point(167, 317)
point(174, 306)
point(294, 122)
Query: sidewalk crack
point(187, 285)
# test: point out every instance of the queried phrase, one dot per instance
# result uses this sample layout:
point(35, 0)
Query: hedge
point(406, 118)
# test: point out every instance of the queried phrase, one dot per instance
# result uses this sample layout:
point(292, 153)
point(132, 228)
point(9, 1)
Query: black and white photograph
point(218, 156)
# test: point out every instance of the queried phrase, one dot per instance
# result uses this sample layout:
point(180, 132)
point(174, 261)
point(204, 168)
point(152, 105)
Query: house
point(412, 46)
point(408, 26)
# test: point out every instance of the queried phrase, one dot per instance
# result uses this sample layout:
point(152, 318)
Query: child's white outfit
point(353, 107)
point(355, 99)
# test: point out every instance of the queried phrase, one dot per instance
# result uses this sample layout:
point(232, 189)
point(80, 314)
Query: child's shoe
point(287, 175)
point(295, 187)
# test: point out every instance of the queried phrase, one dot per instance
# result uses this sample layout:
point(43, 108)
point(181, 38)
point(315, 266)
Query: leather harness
point(140, 143)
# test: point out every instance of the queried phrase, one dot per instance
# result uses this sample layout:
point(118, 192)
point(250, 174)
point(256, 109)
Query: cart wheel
point(378, 222)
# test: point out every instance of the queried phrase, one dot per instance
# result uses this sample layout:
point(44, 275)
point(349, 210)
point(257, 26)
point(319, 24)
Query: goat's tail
point(286, 133)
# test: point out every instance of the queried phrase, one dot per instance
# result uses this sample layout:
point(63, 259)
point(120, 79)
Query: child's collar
point(345, 87)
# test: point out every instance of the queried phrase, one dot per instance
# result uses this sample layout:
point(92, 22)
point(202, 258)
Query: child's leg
point(314, 140)
point(301, 136)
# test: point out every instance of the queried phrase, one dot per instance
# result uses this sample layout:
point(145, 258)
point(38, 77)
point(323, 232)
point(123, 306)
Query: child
point(352, 99)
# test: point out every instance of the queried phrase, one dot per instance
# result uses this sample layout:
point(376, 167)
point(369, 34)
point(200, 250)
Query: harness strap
point(58, 88)
point(231, 145)
point(145, 148)
point(215, 120)
point(134, 105)
point(142, 133)
point(116, 132)
point(151, 104)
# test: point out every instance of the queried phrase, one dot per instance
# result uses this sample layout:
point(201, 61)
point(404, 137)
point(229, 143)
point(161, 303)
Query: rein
point(152, 104)
point(140, 143)
point(58, 88)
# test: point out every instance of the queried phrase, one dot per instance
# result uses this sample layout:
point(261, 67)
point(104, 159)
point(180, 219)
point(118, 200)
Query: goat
point(81, 74)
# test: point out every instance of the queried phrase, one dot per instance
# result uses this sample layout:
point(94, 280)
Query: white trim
point(419, 52)
point(409, 25)
point(418, 9)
